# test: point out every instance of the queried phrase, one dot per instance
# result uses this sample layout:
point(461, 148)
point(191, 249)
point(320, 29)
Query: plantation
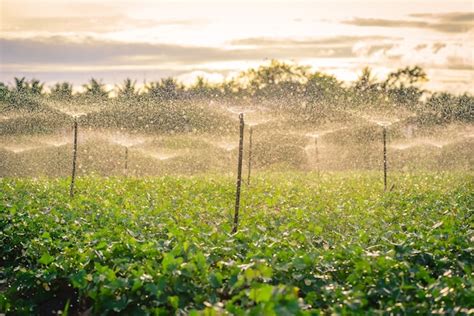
point(307, 243)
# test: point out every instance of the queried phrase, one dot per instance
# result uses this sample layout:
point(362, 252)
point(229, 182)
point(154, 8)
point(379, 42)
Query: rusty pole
point(250, 156)
point(74, 160)
point(384, 159)
point(239, 174)
point(126, 160)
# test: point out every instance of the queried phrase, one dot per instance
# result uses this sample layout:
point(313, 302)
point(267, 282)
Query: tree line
point(279, 84)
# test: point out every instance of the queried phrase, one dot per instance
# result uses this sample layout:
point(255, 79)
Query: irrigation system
point(239, 162)
point(250, 155)
point(239, 174)
point(316, 153)
point(74, 160)
point(384, 133)
point(58, 160)
point(126, 160)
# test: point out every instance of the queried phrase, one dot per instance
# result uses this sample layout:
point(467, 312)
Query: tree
point(402, 85)
point(367, 90)
point(61, 91)
point(366, 82)
point(24, 94)
point(31, 88)
point(322, 87)
point(165, 89)
point(96, 90)
point(407, 76)
point(203, 89)
point(128, 89)
point(447, 107)
point(276, 79)
point(36, 87)
point(4, 92)
point(21, 86)
point(465, 109)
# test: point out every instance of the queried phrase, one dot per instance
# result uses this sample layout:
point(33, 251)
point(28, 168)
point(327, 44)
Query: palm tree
point(128, 89)
point(36, 87)
point(165, 89)
point(366, 80)
point(96, 89)
point(4, 92)
point(21, 85)
point(201, 88)
point(61, 91)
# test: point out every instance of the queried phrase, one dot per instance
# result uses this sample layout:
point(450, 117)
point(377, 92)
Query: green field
point(307, 243)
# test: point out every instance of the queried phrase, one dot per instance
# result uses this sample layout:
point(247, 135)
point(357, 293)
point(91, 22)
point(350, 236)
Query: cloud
point(327, 41)
point(81, 57)
point(437, 47)
point(58, 50)
point(437, 55)
point(385, 22)
point(421, 46)
point(96, 24)
point(454, 17)
point(447, 23)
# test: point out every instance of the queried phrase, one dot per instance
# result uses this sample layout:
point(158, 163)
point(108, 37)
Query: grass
point(306, 244)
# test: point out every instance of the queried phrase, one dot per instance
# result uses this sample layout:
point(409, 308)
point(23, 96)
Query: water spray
point(384, 158)
point(74, 160)
point(250, 155)
point(239, 174)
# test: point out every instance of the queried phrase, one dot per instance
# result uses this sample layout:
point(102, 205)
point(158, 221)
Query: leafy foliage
point(61, 91)
point(278, 85)
point(95, 89)
point(128, 89)
point(306, 245)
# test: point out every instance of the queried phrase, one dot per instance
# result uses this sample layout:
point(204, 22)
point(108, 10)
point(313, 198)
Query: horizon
point(150, 40)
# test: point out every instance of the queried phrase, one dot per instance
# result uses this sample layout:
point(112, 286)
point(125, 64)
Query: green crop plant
point(306, 244)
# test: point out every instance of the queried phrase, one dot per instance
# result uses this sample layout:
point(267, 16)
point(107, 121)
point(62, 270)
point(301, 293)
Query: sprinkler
point(126, 160)
point(384, 158)
point(250, 155)
point(239, 174)
point(74, 159)
point(316, 153)
point(59, 160)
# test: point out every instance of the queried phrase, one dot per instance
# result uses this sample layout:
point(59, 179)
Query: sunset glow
point(148, 40)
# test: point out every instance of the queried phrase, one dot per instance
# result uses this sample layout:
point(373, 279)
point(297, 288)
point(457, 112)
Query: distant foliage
point(165, 89)
point(312, 96)
point(128, 90)
point(445, 107)
point(61, 91)
point(95, 89)
point(4, 92)
point(23, 95)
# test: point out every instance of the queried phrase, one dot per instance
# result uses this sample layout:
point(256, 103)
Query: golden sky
point(73, 40)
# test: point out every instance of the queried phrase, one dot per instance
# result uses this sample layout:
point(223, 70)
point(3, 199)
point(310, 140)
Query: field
point(307, 243)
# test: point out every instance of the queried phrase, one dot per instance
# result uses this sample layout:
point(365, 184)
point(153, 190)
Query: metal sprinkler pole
point(126, 160)
point(239, 174)
point(59, 161)
point(74, 159)
point(250, 155)
point(384, 159)
point(316, 153)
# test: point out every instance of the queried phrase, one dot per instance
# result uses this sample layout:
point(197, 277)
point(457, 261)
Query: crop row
point(307, 244)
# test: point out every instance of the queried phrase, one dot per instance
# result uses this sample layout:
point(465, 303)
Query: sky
point(74, 40)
